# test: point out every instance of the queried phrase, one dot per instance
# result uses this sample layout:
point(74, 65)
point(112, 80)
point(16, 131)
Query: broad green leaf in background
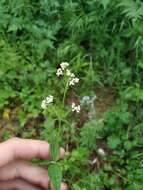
point(55, 174)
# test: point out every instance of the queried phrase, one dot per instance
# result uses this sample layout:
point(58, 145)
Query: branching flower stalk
point(49, 106)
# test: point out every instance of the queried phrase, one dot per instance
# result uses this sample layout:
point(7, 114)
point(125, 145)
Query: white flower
point(64, 65)
point(73, 105)
point(49, 99)
point(59, 72)
point(72, 75)
point(101, 152)
point(75, 108)
point(76, 80)
point(68, 72)
point(43, 104)
point(73, 81)
point(78, 109)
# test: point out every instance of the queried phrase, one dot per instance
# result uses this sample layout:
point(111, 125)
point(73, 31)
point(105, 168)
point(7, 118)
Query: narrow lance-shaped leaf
point(55, 174)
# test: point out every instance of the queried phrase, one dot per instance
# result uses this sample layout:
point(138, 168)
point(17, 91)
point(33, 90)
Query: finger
point(16, 148)
point(63, 187)
point(32, 174)
point(17, 184)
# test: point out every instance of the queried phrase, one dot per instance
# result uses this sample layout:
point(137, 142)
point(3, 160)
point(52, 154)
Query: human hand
point(16, 173)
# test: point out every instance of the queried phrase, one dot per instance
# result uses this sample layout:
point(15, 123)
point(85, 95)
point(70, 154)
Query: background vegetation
point(103, 41)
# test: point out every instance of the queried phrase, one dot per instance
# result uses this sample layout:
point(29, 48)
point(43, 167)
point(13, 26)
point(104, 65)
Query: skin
point(15, 171)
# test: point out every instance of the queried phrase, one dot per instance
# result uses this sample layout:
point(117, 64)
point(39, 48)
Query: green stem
point(65, 91)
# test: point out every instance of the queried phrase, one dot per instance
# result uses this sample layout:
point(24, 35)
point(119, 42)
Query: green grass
point(102, 41)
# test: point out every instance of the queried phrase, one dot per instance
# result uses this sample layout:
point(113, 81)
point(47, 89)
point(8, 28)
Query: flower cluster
point(64, 65)
point(75, 108)
point(49, 99)
point(64, 69)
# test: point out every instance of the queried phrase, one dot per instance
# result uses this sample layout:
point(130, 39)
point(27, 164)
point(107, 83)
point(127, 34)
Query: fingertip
point(64, 186)
point(62, 153)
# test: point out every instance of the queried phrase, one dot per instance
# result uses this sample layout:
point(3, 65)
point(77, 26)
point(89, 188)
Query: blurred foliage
point(103, 41)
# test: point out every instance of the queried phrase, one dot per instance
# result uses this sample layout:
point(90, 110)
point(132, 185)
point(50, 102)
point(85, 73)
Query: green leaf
point(132, 9)
point(104, 3)
point(55, 174)
point(113, 142)
point(54, 147)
